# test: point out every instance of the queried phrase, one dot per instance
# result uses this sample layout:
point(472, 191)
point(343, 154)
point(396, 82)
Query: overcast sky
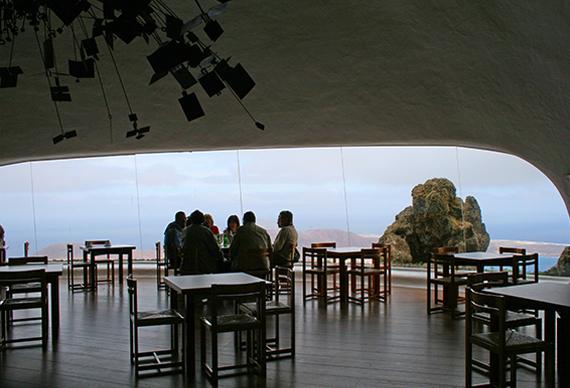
point(80, 199)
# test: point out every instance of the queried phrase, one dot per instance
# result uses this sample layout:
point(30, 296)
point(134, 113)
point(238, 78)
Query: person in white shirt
point(285, 242)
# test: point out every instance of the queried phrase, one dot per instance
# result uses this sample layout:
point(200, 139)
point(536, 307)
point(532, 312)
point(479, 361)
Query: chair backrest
point(237, 293)
point(16, 277)
point(26, 248)
point(518, 251)
point(442, 260)
point(27, 260)
point(291, 259)
point(374, 254)
point(158, 252)
point(329, 244)
point(386, 247)
point(90, 243)
point(69, 252)
point(133, 295)
point(285, 281)
point(520, 265)
point(445, 250)
point(478, 302)
point(314, 258)
point(478, 281)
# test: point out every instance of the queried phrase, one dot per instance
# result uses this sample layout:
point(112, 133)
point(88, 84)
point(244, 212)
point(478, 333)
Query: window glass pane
point(16, 214)
point(185, 182)
point(104, 198)
point(85, 199)
point(519, 201)
point(379, 181)
point(308, 182)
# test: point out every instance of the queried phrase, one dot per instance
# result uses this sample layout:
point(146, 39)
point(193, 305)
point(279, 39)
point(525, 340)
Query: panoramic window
point(350, 195)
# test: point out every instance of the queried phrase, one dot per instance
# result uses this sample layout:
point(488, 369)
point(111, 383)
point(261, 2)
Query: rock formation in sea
point(437, 217)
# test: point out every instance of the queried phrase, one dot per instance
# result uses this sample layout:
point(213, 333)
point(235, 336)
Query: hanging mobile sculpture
point(180, 52)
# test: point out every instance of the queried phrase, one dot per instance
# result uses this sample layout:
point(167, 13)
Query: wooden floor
point(388, 345)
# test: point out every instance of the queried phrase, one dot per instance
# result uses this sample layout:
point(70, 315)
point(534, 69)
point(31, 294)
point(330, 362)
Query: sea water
point(546, 262)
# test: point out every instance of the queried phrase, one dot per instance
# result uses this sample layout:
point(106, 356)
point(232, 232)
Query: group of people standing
point(191, 245)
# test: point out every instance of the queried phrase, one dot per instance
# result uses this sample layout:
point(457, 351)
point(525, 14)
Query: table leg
point(549, 337)
point(563, 348)
point(494, 372)
point(343, 278)
point(130, 263)
point(173, 299)
point(85, 270)
point(93, 269)
point(54, 296)
point(189, 348)
point(450, 294)
point(121, 268)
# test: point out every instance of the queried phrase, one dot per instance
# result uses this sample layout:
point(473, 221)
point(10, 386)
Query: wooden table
point(552, 298)
point(192, 286)
point(479, 260)
point(53, 272)
point(98, 250)
point(343, 254)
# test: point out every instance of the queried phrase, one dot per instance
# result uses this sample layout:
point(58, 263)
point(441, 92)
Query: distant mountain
point(306, 237)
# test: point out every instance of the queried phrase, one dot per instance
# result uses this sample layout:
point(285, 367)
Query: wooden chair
point(442, 271)
point(332, 263)
point(110, 278)
point(284, 286)
point(521, 274)
point(166, 361)
point(513, 319)
point(486, 327)
point(24, 288)
point(290, 258)
point(72, 264)
point(10, 304)
point(220, 321)
point(276, 308)
point(27, 260)
point(516, 251)
point(388, 252)
point(161, 267)
point(371, 266)
point(316, 265)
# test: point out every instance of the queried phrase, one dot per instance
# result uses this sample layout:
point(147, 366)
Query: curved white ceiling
point(492, 75)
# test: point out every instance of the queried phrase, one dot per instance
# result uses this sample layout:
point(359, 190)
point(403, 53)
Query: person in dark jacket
point(173, 240)
point(201, 253)
point(248, 239)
